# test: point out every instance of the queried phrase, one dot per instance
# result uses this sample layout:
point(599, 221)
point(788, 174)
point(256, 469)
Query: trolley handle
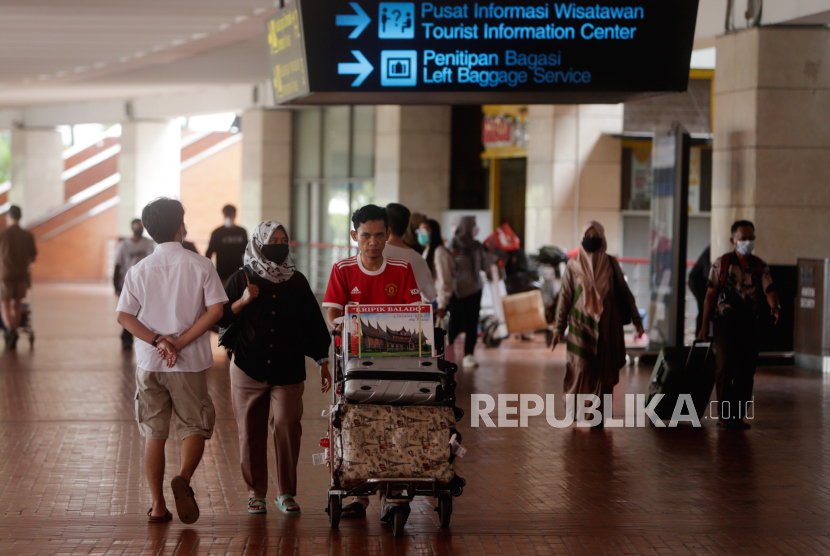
point(695, 343)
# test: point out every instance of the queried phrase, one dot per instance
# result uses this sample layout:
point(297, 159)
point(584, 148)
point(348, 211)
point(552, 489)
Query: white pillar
point(150, 167)
point(412, 157)
point(36, 168)
point(266, 167)
point(771, 160)
point(573, 174)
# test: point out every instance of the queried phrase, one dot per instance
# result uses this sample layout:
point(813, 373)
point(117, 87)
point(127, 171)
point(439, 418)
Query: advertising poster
point(389, 331)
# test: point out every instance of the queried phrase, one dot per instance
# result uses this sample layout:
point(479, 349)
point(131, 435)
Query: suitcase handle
point(696, 342)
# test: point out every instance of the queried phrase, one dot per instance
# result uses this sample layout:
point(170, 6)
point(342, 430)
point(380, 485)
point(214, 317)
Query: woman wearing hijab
point(279, 325)
point(440, 263)
point(465, 304)
point(410, 238)
point(593, 300)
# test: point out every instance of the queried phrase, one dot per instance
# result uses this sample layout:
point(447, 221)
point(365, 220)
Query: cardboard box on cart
point(524, 312)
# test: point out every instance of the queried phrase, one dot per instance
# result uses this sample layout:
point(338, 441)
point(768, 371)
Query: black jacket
point(278, 330)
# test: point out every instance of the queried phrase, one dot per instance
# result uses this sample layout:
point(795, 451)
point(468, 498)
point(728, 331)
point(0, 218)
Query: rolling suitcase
point(683, 370)
point(399, 381)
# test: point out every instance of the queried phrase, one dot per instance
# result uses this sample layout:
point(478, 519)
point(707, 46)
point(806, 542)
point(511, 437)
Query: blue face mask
point(423, 238)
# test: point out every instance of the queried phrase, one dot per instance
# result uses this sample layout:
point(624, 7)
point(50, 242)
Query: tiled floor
point(71, 466)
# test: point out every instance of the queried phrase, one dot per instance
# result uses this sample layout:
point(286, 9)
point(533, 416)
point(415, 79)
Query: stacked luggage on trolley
point(392, 423)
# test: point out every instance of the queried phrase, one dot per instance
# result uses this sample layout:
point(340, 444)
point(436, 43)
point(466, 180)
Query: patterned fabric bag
point(392, 442)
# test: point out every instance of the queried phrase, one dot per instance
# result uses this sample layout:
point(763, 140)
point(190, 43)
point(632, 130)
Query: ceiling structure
point(74, 61)
point(63, 51)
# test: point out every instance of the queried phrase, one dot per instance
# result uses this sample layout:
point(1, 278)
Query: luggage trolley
point(391, 386)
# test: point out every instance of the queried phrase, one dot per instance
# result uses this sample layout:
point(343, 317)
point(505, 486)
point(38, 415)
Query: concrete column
point(150, 167)
point(36, 168)
point(412, 157)
point(573, 174)
point(772, 143)
point(266, 167)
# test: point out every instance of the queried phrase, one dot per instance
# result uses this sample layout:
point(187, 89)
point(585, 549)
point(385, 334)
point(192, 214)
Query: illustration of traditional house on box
point(390, 333)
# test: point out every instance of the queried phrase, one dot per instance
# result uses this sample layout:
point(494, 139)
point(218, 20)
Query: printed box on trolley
point(389, 331)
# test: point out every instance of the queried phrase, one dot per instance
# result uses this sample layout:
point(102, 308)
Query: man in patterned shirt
point(738, 282)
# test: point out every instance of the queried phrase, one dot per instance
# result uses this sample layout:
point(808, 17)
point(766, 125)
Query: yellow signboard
point(286, 54)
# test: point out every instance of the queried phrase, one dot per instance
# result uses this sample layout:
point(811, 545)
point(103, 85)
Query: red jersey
point(393, 284)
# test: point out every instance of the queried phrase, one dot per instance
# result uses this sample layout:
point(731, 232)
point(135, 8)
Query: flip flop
point(159, 519)
point(355, 510)
point(283, 505)
point(254, 503)
point(186, 505)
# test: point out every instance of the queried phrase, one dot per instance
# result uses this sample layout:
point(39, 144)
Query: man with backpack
point(738, 282)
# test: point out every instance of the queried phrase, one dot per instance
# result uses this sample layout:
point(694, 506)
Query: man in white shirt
point(397, 249)
point(169, 301)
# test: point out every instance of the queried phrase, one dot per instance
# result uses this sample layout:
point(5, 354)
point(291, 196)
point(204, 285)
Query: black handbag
point(621, 295)
point(229, 335)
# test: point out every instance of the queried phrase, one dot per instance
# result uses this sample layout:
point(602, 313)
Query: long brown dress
point(598, 373)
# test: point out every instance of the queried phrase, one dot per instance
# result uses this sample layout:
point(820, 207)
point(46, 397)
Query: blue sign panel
point(529, 51)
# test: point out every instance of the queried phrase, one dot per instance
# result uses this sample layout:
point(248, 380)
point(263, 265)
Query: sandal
point(257, 506)
point(283, 504)
point(355, 510)
point(159, 519)
point(186, 505)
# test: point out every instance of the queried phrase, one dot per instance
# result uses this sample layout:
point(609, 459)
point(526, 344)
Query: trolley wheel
point(334, 510)
point(399, 517)
point(444, 509)
point(489, 337)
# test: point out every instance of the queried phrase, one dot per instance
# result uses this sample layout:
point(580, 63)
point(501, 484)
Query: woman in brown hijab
point(410, 238)
point(593, 300)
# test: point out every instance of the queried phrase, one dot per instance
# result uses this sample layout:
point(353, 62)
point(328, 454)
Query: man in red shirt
point(369, 278)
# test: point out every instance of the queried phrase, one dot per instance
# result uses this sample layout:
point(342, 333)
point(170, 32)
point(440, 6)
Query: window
point(334, 168)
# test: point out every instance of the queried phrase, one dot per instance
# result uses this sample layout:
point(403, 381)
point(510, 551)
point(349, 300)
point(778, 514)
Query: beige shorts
point(12, 291)
point(160, 396)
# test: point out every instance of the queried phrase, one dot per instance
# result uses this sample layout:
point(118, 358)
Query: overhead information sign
point(368, 51)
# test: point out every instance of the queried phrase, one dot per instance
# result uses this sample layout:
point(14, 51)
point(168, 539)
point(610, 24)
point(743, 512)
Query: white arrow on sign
point(362, 69)
point(360, 20)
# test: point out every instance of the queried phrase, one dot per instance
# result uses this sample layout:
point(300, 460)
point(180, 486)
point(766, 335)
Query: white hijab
point(257, 261)
point(593, 271)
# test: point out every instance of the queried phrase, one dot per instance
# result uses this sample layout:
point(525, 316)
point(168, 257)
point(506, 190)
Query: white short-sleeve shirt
point(172, 288)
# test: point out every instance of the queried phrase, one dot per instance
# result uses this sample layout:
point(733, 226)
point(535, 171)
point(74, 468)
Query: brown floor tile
point(71, 479)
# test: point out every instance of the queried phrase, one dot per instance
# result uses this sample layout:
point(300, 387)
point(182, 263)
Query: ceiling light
point(158, 48)
point(224, 26)
point(139, 54)
point(100, 65)
point(198, 36)
point(240, 18)
point(178, 42)
point(259, 11)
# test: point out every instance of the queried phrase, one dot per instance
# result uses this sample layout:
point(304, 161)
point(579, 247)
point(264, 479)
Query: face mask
point(184, 235)
point(275, 252)
point(423, 239)
point(138, 233)
point(475, 231)
point(746, 247)
point(592, 244)
point(228, 222)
